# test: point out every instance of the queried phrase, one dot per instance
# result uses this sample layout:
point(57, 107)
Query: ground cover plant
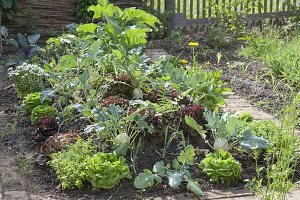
point(102, 109)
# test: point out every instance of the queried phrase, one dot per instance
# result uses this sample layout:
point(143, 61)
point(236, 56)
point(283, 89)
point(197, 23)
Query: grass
point(9, 129)
point(278, 51)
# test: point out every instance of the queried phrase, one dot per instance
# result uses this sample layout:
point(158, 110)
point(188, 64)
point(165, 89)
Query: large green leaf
point(7, 3)
point(87, 28)
point(187, 155)
point(136, 36)
point(66, 62)
point(144, 179)
point(159, 168)
point(195, 188)
point(140, 17)
point(253, 142)
point(194, 125)
point(175, 178)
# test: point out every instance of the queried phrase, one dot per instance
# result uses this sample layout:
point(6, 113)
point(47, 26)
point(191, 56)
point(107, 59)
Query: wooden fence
point(187, 13)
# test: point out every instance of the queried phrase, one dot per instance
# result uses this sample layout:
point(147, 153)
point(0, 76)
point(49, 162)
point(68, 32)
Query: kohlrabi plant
point(224, 128)
point(176, 173)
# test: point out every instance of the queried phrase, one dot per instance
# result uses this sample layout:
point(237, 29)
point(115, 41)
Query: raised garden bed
point(101, 120)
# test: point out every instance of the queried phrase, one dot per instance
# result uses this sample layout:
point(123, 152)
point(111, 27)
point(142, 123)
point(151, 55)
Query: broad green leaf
point(187, 155)
point(66, 63)
point(159, 168)
point(32, 39)
point(175, 179)
point(194, 125)
point(84, 77)
point(253, 142)
point(87, 28)
point(195, 188)
point(175, 164)
point(47, 94)
point(95, 49)
point(86, 112)
point(144, 179)
point(157, 178)
point(136, 36)
point(121, 149)
point(98, 10)
point(140, 17)
point(4, 31)
point(118, 54)
point(22, 40)
point(12, 42)
point(7, 3)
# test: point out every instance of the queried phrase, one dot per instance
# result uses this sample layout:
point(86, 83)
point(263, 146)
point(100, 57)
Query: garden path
point(12, 185)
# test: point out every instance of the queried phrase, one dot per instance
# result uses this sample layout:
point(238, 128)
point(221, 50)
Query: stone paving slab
point(16, 195)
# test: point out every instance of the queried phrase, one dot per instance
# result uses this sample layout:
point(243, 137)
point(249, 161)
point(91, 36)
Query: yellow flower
point(207, 64)
point(193, 44)
point(184, 62)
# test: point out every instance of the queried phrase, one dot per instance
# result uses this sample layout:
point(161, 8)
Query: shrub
point(33, 100)
point(106, 170)
point(27, 78)
point(42, 111)
point(221, 167)
point(70, 164)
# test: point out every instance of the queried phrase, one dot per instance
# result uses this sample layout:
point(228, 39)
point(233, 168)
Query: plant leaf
point(87, 28)
point(159, 168)
point(253, 142)
point(32, 39)
point(175, 179)
point(144, 179)
point(195, 188)
point(187, 155)
point(194, 125)
point(22, 40)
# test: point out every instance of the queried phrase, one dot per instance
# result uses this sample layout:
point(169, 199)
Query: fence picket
point(196, 13)
point(271, 5)
point(203, 8)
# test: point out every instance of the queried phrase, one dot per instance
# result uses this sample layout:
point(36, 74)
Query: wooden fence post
point(170, 9)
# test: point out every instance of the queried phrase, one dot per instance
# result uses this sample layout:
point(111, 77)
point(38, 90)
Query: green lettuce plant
point(106, 170)
point(42, 111)
point(33, 100)
point(220, 166)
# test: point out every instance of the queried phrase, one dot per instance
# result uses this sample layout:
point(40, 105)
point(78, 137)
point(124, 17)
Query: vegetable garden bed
point(104, 122)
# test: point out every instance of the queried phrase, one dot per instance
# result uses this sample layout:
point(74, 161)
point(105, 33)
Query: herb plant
point(27, 78)
point(70, 165)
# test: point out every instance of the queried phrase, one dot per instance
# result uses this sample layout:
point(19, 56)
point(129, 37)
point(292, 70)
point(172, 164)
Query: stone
point(293, 195)
point(16, 195)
